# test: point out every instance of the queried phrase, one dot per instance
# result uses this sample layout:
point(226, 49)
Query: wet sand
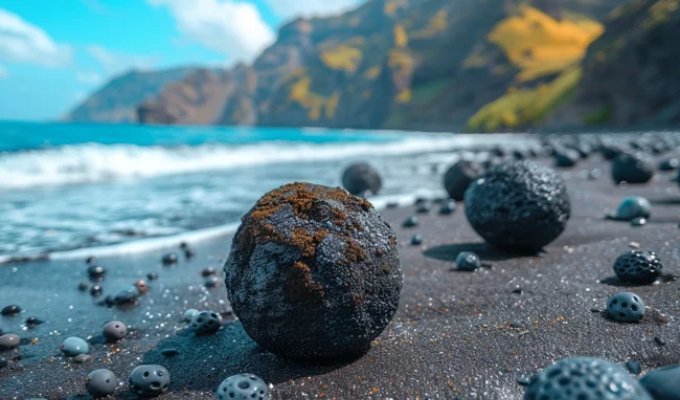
point(456, 334)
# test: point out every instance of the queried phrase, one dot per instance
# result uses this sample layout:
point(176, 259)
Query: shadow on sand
point(203, 362)
point(615, 281)
point(449, 252)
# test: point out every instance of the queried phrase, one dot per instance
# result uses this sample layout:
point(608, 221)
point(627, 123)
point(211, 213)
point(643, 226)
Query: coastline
point(456, 334)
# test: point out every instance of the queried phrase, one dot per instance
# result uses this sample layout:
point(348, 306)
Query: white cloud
point(233, 28)
point(21, 41)
point(113, 62)
point(310, 8)
point(89, 77)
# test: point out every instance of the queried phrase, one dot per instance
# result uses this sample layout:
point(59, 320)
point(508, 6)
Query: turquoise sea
point(68, 189)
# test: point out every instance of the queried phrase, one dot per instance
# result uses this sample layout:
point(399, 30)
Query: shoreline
point(455, 334)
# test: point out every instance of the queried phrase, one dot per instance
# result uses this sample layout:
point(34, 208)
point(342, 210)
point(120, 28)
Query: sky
point(53, 53)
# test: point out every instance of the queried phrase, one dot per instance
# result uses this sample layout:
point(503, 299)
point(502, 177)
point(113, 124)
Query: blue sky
point(53, 53)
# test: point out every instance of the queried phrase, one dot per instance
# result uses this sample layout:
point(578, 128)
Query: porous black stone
point(149, 380)
point(631, 168)
point(625, 307)
point(638, 266)
point(360, 178)
point(584, 378)
point(518, 206)
point(206, 323)
point(313, 272)
point(459, 176)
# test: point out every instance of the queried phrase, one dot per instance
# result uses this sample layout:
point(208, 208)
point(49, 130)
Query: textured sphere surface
point(206, 323)
point(625, 307)
point(638, 266)
point(584, 378)
point(313, 272)
point(631, 168)
point(633, 207)
point(518, 206)
point(360, 178)
point(243, 387)
point(467, 261)
point(149, 380)
point(101, 383)
point(459, 176)
point(9, 341)
point(663, 383)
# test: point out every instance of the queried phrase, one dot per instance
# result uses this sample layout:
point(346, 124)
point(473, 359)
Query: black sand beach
point(455, 335)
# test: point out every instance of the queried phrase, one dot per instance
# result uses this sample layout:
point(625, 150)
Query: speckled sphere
point(625, 307)
point(518, 206)
point(638, 266)
point(243, 387)
point(149, 380)
point(360, 178)
point(313, 272)
point(584, 378)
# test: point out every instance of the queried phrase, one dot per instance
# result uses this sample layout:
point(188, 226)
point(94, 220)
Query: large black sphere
point(313, 272)
point(518, 206)
point(360, 178)
point(459, 176)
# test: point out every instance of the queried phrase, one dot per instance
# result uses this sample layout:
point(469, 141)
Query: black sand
point(456, 334)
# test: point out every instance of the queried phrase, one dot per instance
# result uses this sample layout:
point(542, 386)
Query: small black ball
point(360, 178)
point(518, 206)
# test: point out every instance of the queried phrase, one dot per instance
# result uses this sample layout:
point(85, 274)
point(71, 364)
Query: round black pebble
point(313, 272)
point(459, 176)
point(416, 240)
point(566, 158)
point(33, 321)
point(638, 266)
point(101, 383)
point(210, 271)
point(152, 276)
point(114, 331)
point(96, 272)
point(518, 206)
point(360, 178)
point(448, 207)
point(468, 261)
point(169, 259)
point(11, 309)
point(631, 168)
point(410, 222)
point(206, 323)
point(96, 290)
point(663, 383)
point(669, 164)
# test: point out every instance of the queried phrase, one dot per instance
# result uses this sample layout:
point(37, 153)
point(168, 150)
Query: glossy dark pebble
point(467, 261)
point(659, 341)
point(169, 352)
point(126, 296)
point(169, 259)
point(189, 314)
point(3, 362)
point(33, 321)
point(149, 380)
point(631, 168)
point(663, 383)
point(410, 222)
point(448, 208)
point(11, 309)
point(633, 207)
point(101, 383)
point(424, 208)
point(210, 271)
point(152, 276)
point(96, 271)
point(669, 164)
point(360, 178)
point(638, 266)
point(96, 290)
point(82, 286)
point(114, 331)
point(212, 282)
point(243, 387)
point(91, 260)
point(416, 240)
point(459, 176)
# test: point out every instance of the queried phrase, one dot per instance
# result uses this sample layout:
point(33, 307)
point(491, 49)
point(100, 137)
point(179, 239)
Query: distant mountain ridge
point(476, 65)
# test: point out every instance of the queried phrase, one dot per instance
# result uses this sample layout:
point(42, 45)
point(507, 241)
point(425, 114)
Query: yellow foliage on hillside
point(524, 106)
point(342, 57)
point(400, 37)
point(540, 45)
point(301, 93)
point(391, 6)
point(438, 23)
point(373, 72)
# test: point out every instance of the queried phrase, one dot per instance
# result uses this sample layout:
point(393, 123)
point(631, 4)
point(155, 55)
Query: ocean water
point(67, 190)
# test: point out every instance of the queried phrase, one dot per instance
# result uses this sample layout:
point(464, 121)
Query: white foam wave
point(89, 163)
